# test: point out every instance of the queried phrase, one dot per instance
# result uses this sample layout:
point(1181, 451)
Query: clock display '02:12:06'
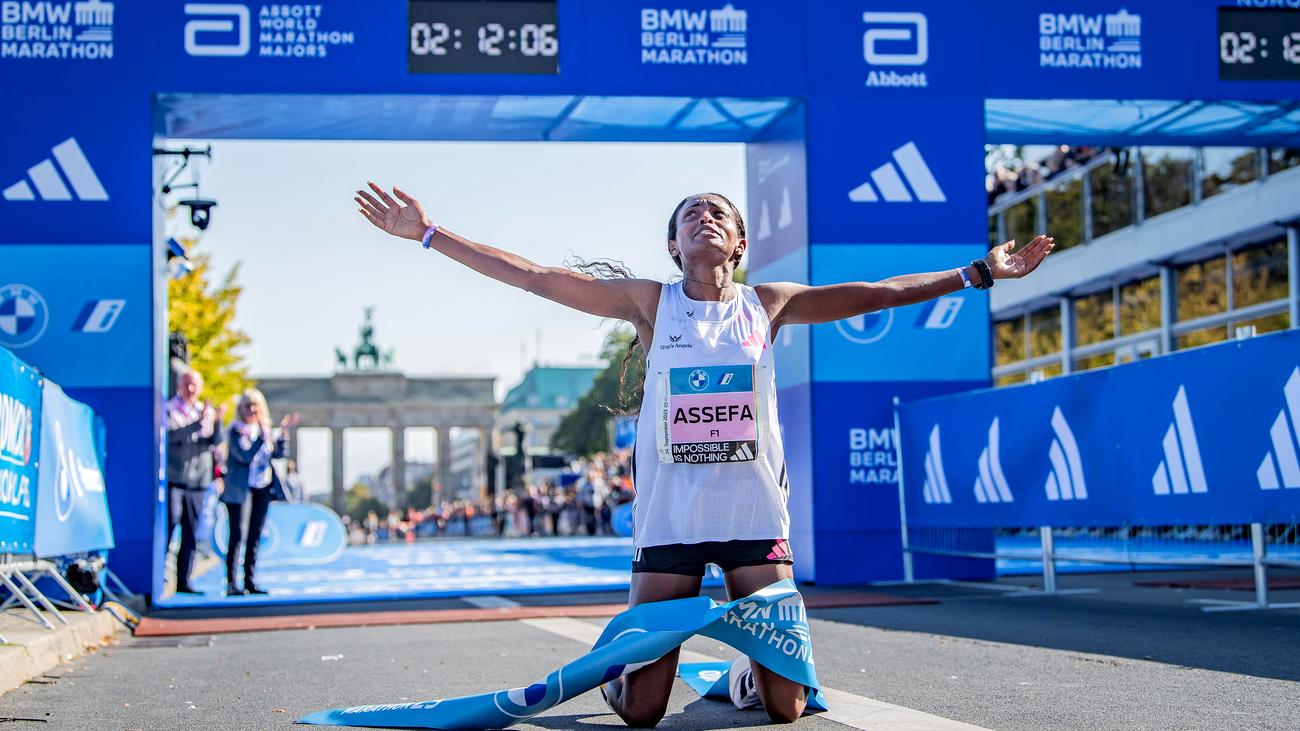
point(1259, 45)
point(459, 37)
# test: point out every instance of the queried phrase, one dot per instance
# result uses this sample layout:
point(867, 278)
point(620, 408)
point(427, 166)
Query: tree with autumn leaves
point(204, 313)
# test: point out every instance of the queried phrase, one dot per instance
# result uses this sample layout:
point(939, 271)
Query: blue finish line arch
point(864, 123)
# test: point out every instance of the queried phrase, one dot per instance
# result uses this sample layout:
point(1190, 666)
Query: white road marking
point(848, 709)
point(490, 601)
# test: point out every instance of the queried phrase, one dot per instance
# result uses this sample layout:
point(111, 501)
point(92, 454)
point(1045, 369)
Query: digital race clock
point(1259, 44)
point(482, 37)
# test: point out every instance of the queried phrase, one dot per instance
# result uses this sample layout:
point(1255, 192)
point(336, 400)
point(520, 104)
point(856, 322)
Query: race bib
point(707, 415)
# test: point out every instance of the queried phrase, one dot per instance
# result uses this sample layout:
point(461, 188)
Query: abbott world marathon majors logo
point(45, 30)
point(283, 31)
point(684, 37)
point(1081, 41)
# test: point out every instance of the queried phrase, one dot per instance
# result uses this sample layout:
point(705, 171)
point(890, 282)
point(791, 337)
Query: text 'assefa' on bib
point(707, 415)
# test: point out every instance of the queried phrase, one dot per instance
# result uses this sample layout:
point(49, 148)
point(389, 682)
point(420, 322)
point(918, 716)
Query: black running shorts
point(689, 559)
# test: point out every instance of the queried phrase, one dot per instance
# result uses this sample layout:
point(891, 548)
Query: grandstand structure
point(1159, 249)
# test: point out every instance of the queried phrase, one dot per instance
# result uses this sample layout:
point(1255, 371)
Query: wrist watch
point(986, 274)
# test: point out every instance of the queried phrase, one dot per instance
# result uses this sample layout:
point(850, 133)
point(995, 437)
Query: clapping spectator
point(193, 435)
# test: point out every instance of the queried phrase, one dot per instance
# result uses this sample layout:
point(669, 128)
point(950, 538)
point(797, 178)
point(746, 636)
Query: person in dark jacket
point(193, 435)
point(250, 483)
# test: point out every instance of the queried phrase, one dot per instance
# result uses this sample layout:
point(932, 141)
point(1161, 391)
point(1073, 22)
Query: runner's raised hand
point(1006, 265)
point(407, 221)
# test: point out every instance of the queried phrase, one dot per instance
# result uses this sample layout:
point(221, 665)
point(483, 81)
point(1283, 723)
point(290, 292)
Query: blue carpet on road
point(467, 567)
point(437, 568)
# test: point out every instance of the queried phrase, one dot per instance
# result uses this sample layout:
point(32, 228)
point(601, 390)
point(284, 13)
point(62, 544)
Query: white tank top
point(709, 465)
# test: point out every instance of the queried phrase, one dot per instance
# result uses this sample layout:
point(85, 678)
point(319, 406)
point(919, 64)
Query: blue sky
point(311, 262)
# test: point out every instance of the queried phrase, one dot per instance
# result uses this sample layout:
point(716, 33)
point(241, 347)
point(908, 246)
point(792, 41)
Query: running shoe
point(740, 684)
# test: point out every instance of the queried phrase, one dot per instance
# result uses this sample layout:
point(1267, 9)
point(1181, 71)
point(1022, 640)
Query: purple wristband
point(428, 236)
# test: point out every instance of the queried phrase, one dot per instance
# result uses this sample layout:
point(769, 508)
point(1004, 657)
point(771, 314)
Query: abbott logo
point(991, 483)
point(230, 17)
point(890, 185)
point(1065, 481)
point(896, 39)
point(1282, 458)
point(49, 185)
point(1180, 449)
point(935, 489)
point(895, 28)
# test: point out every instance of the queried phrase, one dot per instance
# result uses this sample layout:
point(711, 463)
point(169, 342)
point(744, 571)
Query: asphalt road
point(1124, 657)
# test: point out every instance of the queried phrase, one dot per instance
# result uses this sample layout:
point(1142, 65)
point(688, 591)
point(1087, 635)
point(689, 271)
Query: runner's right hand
point(407, 221)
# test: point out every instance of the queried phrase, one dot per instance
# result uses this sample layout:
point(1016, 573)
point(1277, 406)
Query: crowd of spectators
point(1008, 179)
point(579, 501)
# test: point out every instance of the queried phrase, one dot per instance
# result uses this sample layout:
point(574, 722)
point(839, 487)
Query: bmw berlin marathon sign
point(684, 37)
point(56, 30)
point(1081, 41)
point(873, 456)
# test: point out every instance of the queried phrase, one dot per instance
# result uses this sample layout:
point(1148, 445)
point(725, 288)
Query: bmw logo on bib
point(23, 315)
point(699, 379)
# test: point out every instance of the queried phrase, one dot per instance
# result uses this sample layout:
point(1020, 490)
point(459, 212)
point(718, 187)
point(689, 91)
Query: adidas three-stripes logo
point(890, 185)
point(935, 489)
point(50, 185)
point(1280, 467)
point(1065, 480)
point(1181, 469)
point(991, 484)
point(742, 453)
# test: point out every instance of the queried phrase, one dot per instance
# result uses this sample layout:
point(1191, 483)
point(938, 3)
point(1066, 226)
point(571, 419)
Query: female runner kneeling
point(708, 468)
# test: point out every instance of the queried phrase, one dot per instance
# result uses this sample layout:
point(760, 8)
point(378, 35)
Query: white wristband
point(965, 279)
point(428, 236)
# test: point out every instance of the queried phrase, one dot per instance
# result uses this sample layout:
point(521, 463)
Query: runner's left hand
point(1006, 265)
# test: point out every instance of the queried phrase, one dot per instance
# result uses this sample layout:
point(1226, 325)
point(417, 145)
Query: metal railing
point(1049, 555)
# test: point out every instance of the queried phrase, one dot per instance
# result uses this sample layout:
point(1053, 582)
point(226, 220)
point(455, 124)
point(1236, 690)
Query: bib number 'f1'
point(707, 415)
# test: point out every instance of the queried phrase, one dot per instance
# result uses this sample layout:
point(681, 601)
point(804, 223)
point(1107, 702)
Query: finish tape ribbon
point(770, 626)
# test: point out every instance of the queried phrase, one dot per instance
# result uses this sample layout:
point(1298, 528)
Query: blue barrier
point(294, 534)
point(71, 504)
point(621, 520)
point(20, 418)
point(1207, 436)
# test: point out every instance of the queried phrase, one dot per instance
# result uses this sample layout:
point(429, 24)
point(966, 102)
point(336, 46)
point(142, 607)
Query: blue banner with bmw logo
point(945, 339)
point(71, 504)
point(81, 314)
point(770, 626)
point(1167, 441)
point(20, 437)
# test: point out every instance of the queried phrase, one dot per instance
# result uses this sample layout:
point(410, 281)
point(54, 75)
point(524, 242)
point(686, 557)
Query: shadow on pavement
point(1120, 619)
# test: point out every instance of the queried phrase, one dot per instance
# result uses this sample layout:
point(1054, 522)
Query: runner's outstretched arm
point(795, 304)
point(625, 299)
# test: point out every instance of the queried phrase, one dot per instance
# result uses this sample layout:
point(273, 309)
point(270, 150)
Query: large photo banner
point(1208, 436)
point(20, 418)
point(72, 507)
